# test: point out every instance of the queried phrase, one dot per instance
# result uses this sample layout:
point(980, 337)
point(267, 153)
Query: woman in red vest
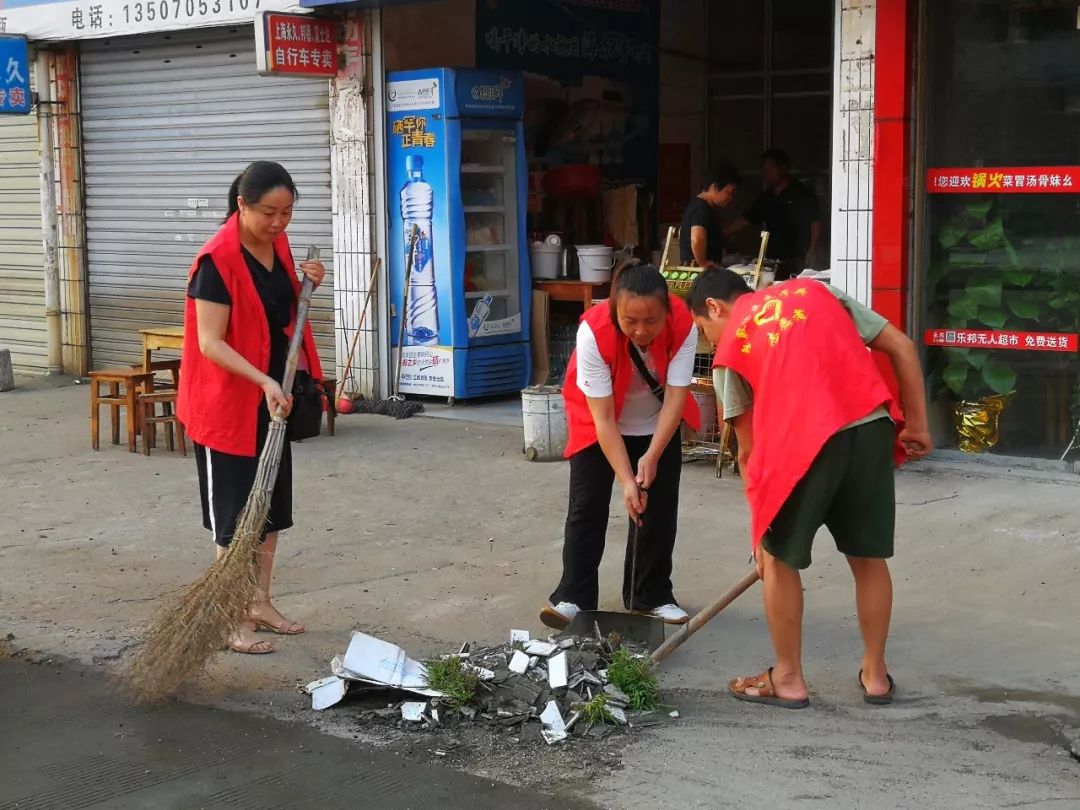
point(626, 393)
point(241, 310)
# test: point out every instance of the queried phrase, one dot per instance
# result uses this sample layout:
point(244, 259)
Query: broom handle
point(700, 620)
point(359, 328)
point(297, 339)
point(413, 236)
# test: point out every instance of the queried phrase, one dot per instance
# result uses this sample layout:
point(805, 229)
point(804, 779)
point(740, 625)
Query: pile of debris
point(570, 685)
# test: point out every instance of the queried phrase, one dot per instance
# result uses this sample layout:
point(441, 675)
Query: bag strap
point(650, 380)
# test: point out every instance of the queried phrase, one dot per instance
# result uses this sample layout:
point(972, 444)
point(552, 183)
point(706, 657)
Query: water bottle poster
point(420, 260)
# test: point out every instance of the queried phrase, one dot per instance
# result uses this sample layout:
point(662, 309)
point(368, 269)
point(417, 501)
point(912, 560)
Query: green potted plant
point(985, 284)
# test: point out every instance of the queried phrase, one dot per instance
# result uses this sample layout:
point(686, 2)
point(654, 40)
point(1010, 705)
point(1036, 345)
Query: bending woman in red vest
point(241, 309)
point(626, 393)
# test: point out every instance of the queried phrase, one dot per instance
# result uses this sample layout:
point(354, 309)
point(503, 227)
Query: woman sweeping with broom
point(241, 311)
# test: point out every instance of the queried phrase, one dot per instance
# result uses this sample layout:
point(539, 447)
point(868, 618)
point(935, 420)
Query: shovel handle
point(700, 619)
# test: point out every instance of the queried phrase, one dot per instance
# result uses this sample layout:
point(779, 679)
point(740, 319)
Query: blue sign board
point(14, 76)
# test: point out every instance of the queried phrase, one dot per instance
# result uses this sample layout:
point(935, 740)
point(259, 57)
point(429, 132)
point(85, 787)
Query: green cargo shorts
point(849, 489)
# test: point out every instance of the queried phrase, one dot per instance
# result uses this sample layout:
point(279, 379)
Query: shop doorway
point(770, 85)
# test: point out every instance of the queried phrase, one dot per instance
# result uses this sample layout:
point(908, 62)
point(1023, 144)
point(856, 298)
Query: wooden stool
point(134, 382)
point(150, 420)
point(171, 366)
point(329, 385)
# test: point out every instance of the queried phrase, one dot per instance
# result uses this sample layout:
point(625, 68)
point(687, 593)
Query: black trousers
point(591, 479)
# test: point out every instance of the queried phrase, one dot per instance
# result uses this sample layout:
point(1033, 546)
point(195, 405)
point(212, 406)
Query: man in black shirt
point(788, 210)
point(701, 240)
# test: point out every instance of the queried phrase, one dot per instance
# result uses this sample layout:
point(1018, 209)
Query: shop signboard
point(90, 19)
point(295, 45)
point(1005, 180)
point(14, 76)
point(1015, 341)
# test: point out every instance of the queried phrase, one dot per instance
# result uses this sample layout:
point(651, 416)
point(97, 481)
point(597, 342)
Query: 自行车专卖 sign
point(296, 44)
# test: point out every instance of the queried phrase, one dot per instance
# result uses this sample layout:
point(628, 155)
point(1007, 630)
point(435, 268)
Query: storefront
point(22, 282)
point(168, 121)
point(170, 108)
point(639, 97)
point(997, 248)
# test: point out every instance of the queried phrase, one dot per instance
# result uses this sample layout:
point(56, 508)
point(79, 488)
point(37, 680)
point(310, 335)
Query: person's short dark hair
point(716, 282)
point(721, 177)
point(638, 279)
point(777, 156)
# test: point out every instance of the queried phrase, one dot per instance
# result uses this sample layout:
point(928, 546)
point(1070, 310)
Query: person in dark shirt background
point(701, 240)
point(788, 210)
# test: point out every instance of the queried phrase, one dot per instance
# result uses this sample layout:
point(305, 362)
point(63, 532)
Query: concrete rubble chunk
point(618, 715)
point(413, 711)
point(554, 727)
point(519, 663)
point(519, 636)
point(540, 648)
point(616, 695)
point(557, 671)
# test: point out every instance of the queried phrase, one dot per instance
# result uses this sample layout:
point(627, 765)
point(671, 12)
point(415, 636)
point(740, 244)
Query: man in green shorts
point(818, 429)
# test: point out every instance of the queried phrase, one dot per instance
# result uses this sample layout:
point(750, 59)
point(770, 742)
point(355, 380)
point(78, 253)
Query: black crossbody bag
point(305, 418)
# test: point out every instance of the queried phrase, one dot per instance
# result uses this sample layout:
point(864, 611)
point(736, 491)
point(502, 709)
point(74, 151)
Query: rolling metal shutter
point(22, 277)
point(169, 120)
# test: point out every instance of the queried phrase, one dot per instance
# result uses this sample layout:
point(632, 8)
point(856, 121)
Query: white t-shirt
point(641, 409)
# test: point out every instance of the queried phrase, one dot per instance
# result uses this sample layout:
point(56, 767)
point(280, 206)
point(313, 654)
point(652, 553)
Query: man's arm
point(904, 358)
point(744, 433)
point(699, 245)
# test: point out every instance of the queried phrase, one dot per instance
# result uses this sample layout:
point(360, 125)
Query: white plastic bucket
point(595, 263)
point(544, 419)
point(545, 260)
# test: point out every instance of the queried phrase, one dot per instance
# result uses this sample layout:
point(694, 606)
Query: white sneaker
point(559, 616)
point(670, 614)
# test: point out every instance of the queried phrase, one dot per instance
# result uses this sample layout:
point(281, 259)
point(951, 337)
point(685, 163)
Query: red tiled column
point(892, 197)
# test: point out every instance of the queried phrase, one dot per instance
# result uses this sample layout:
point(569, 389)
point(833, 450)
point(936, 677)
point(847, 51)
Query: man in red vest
point(817, 427)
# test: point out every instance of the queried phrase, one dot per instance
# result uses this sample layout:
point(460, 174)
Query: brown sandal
point(766, 692)
point(264, 647)
point(286, 628)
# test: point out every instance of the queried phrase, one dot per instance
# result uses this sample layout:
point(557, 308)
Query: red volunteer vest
point(615, 349)
point(217, 408)
point(811, 374)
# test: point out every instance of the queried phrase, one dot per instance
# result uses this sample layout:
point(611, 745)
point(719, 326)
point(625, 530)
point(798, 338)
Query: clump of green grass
point(635, 677)
point(595, 712)
point(458, 684)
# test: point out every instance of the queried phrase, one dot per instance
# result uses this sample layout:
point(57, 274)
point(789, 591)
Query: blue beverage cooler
point(457, 182)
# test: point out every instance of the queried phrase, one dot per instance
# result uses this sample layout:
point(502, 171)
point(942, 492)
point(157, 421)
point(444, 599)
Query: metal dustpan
point(631, 626)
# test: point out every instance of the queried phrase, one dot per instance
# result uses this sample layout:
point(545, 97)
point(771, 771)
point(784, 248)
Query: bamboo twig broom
point(197, 622)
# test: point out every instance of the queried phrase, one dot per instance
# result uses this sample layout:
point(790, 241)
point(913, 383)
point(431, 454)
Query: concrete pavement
point(430, 532)
point(70, 741)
